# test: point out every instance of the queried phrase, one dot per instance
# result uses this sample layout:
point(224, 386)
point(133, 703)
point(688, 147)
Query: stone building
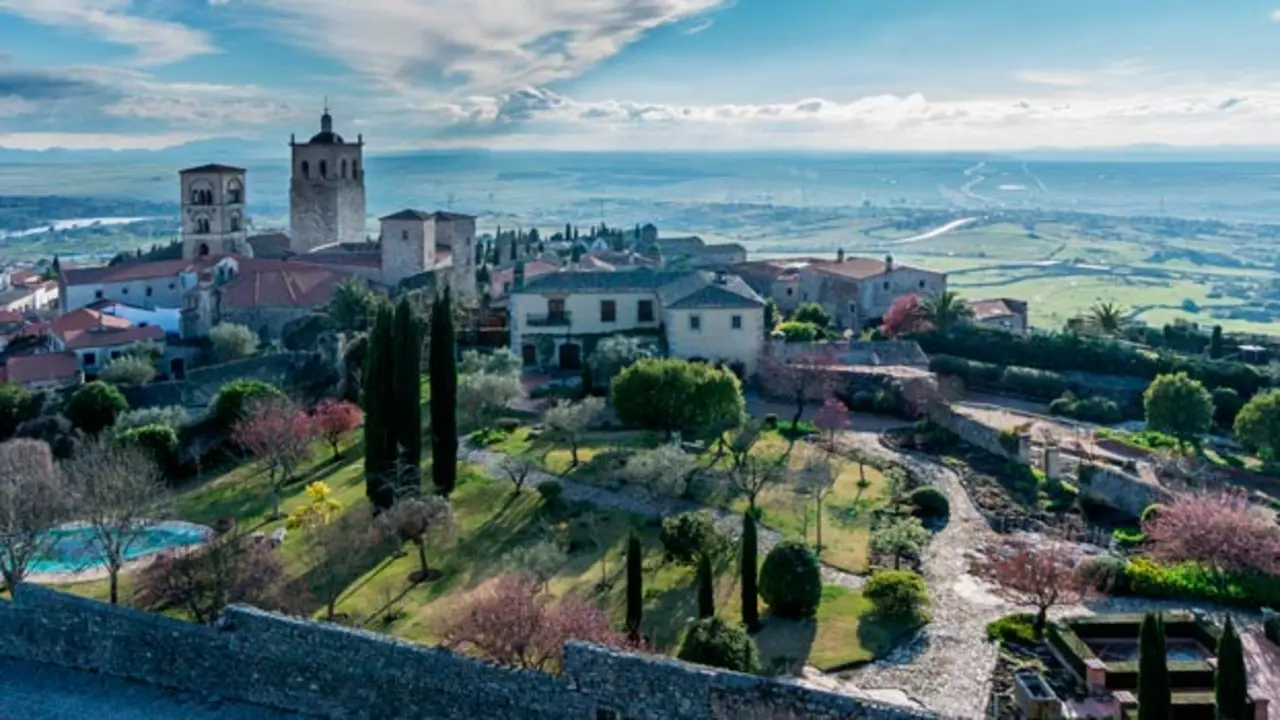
point(414, 243)
point(213, 219)
point(326, 192)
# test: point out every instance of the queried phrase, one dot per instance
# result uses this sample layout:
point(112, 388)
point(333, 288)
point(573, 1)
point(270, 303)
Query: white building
point(150, 285)
point(557, 318)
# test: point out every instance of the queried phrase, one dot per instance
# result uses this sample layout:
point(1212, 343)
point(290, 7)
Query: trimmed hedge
point(929, 502)
point(1191, 581)
point(1100, 410)
point(791, 581)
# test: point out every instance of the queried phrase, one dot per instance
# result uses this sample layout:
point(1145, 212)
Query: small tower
point(408, 245)
point(326, 193)
point(213, 219)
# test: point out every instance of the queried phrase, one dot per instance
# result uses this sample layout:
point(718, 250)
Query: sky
point(643, 74)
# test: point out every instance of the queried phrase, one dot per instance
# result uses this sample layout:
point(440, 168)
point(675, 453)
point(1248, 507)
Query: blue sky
point(633, 74)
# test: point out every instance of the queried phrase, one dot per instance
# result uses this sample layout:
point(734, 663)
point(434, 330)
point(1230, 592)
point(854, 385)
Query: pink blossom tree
point(831, 418)
point(1220, 531)
point(1042, 575)
point(335, 420)
point(279, 435)
point(903, 316)
point(510, 623)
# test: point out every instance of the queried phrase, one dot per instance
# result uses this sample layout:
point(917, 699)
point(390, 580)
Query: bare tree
point(421, 521)
point(568, 420)
point(518, 468)
point(800, 380)
point(33, 499)
point(817, 480)
point(756, 473)
point(1042, 575)
point(230, 569)
point(118, 493)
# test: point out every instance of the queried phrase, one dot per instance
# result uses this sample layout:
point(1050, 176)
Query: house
point(263, 295)
point(49, 371)
point(696, 253)
point(1004, 313)
point(96, 338)
point(855, 291)
point(25, 290)
point(161, 284)
point(556, 319)
point(167, 319)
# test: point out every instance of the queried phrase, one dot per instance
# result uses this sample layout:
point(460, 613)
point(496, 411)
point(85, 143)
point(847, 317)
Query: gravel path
point(640, 503)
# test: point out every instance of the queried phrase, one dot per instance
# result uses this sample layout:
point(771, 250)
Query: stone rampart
point(331, 671)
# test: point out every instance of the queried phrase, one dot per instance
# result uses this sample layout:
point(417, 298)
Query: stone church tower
point(213, 219)
point(326, 194)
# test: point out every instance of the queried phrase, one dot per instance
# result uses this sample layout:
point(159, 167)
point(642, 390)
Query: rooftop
point(710, 290)
point(993, 308)
point(41, 368)
point(125, 272)
point(211, 168)
point(273, 244)
point(280, 284)
point(678, 289)
point(438, 215)
point(110, 336)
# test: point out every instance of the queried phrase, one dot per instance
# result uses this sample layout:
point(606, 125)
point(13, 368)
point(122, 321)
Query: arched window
point(306, 169)
point(344, 169)
point(235, 223)
point(203, 250)
point(195, 196)
point(235, 193)
point(202, 226)
point(324, 169)
point(355, 170)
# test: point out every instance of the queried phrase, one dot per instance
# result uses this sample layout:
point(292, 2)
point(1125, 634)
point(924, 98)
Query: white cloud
point(1275, 15)
point(1055, 78)
point(157, 41)
point(472, 45)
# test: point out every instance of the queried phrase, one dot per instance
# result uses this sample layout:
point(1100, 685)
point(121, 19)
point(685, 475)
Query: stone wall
point(332, 671)
point(1117, 489)
point(981, 435)
point(202, 384)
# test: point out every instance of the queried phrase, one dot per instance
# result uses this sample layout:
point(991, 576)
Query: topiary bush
point(158, 441)
point(929, 502)
point(1015, 629)
point(791, 581)
point(714, 642)
point(234, 399)
point(95, 406)
point(551, 493)
point(688, 536)
point(898, 593)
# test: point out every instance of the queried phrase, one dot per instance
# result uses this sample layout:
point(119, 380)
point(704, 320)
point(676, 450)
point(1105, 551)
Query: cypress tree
point(1154, 696)
point(407, 396)
point(379, 439)
point(444, 397)
point(588, 382)
point(635, 587)
point(750, 600)
point(706, 588)
point(1230, 682)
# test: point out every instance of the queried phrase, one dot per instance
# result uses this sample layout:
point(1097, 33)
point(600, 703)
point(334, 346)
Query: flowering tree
point(227, 570)
point(278, 435)
point(421, 521)
point(334, 420)
point(1220, 531)
point(319, 509)
point(509, 623)
point(1042, 575)
point(903, 316)
point(831, 418)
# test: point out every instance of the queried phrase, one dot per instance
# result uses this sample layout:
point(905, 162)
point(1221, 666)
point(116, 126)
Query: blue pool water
point(72, 549)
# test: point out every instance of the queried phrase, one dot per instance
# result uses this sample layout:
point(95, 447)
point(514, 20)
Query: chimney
point(840, 255)
point(888, 263)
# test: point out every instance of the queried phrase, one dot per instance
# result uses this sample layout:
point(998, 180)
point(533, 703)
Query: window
point(355, 170)
point(172, 286)
point(644, 311)
point(853, 307)
point(97, 294)
point(404, 234)
point(736, 322)
point(235, 194)
point(695, 323)
point(555, 307)
point(148, 291)
point(90, 359)
point(235, 223)
point(306, 169)
point(124, 291)
point(790, 292)
point(886, 284)
point(344, 169)
point(608, 311)
point(921, 283)
point(324, 169)
point(805, 296)
point(115, 354)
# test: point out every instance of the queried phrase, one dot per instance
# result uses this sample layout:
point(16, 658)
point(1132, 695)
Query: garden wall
point(1117, 489)
point(201, 384)
point(981, 435)
point(332, 671)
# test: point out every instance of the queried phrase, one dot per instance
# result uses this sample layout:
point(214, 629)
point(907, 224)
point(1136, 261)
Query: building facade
point(414, 243)
point(213, 217)
point(326, 192)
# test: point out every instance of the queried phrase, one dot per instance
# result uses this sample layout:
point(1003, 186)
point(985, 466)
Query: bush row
point(1188, 580)
point(1068, 352)
point(1025, 381)
point(1100, 410)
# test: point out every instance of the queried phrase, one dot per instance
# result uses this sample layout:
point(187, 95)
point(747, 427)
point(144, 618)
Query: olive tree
point(568, 420)
point(1180, 406)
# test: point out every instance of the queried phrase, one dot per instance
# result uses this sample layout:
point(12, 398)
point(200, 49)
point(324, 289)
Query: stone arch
point(235, 192)
point(201, 193)
point(355, 169)
point(202, 226)
point(235, 222)
point(202, 250)
point(306, 170)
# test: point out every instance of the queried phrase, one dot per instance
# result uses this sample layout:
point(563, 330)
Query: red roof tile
point(83, 319)
point(127, 271)
point(107, 336)
point(37, 368)
point(280, 283)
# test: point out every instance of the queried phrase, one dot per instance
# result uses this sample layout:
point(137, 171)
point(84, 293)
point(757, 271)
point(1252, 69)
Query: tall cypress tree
point(750, 600)
point(1155, 700)
point(1230, 682)
point(407, 396)
point(379, 439)
point(635, 587)
point(706, 588)
point(444, 396)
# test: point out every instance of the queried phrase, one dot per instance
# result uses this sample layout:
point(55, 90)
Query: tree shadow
point(892, 642)
point(667, 618)
point(785, 644)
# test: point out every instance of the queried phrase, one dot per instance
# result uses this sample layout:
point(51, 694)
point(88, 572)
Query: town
point(562, 473)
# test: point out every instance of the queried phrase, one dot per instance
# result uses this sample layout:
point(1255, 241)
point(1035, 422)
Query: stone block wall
point(981, 435)
point(331, 671)
point(1118, 489)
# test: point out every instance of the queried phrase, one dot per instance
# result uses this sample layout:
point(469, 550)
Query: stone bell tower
point(326, 194)
point(213, 219)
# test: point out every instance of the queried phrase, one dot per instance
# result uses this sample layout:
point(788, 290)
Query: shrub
point(174, 416)
point(930, 502)
point(95, 406)
point(801, 332)
point(716, 643)
point(128, 370)
point(688, 536)
point(160, 442)
point(1030, 382)
point(1106, 573)
point(507, 424)
point(1100, 410)
point(791, 581)
point(697, 395)
point(1015, 629)
point(771, 421)
point(1192, 581)
point(897, 593)
point(232, 342)
point(233, 400)
point(1227, 404)
point(551, 493)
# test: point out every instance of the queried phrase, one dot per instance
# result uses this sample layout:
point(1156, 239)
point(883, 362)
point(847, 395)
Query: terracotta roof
point(125, 272)
point(532, 269)
point(212, 168)
point(365, 258)
point(37, 368)
point(275, 244)
point(853, 267)
point(986, 309)
point(84, 319)
point(109, 336)
point(280, 284)
point(11, 317)
point(411, 214)
point(591, 263)
point(23, 276)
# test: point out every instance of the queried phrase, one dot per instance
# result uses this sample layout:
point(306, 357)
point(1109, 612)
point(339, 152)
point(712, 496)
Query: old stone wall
point(1015, 447)
point(1118, 489)
point(202, 384)
point(332, 671)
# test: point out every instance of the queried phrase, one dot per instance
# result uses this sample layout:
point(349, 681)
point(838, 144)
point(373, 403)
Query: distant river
point(72, 225)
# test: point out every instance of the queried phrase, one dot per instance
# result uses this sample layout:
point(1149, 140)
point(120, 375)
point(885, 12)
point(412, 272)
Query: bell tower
point(213, 218)
point(326, 193)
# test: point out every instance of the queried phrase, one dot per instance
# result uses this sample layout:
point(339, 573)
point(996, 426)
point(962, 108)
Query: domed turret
point(326, 136)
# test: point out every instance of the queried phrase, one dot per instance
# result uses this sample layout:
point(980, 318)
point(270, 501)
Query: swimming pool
point(72, 549)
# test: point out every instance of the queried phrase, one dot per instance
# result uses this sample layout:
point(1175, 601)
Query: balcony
point(556, 319)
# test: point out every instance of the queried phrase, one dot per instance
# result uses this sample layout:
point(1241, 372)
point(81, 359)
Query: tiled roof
point(109, 336)
point(986, 309)
point(532, 269)
point(280, 284)
point(212, 168)
point(709, 290)
point(23, 276)
point(857, 268)
point(421, 215)
point(268, 245)
point(681, 244)
point(364, 258)
point(83, 319)
point(38, 368)
point(679, 289)
point(593, 282)
point(125, 272)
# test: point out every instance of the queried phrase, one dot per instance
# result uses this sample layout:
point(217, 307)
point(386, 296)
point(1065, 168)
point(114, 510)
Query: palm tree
point(1107, 318)
point(945, 309)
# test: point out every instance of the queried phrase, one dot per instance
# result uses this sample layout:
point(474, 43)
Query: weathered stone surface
point(330, 671)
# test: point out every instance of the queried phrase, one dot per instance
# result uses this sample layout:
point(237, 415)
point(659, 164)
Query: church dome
point(326, 136)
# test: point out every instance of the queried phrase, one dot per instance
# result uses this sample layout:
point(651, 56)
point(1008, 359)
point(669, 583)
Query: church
point(327, 221)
